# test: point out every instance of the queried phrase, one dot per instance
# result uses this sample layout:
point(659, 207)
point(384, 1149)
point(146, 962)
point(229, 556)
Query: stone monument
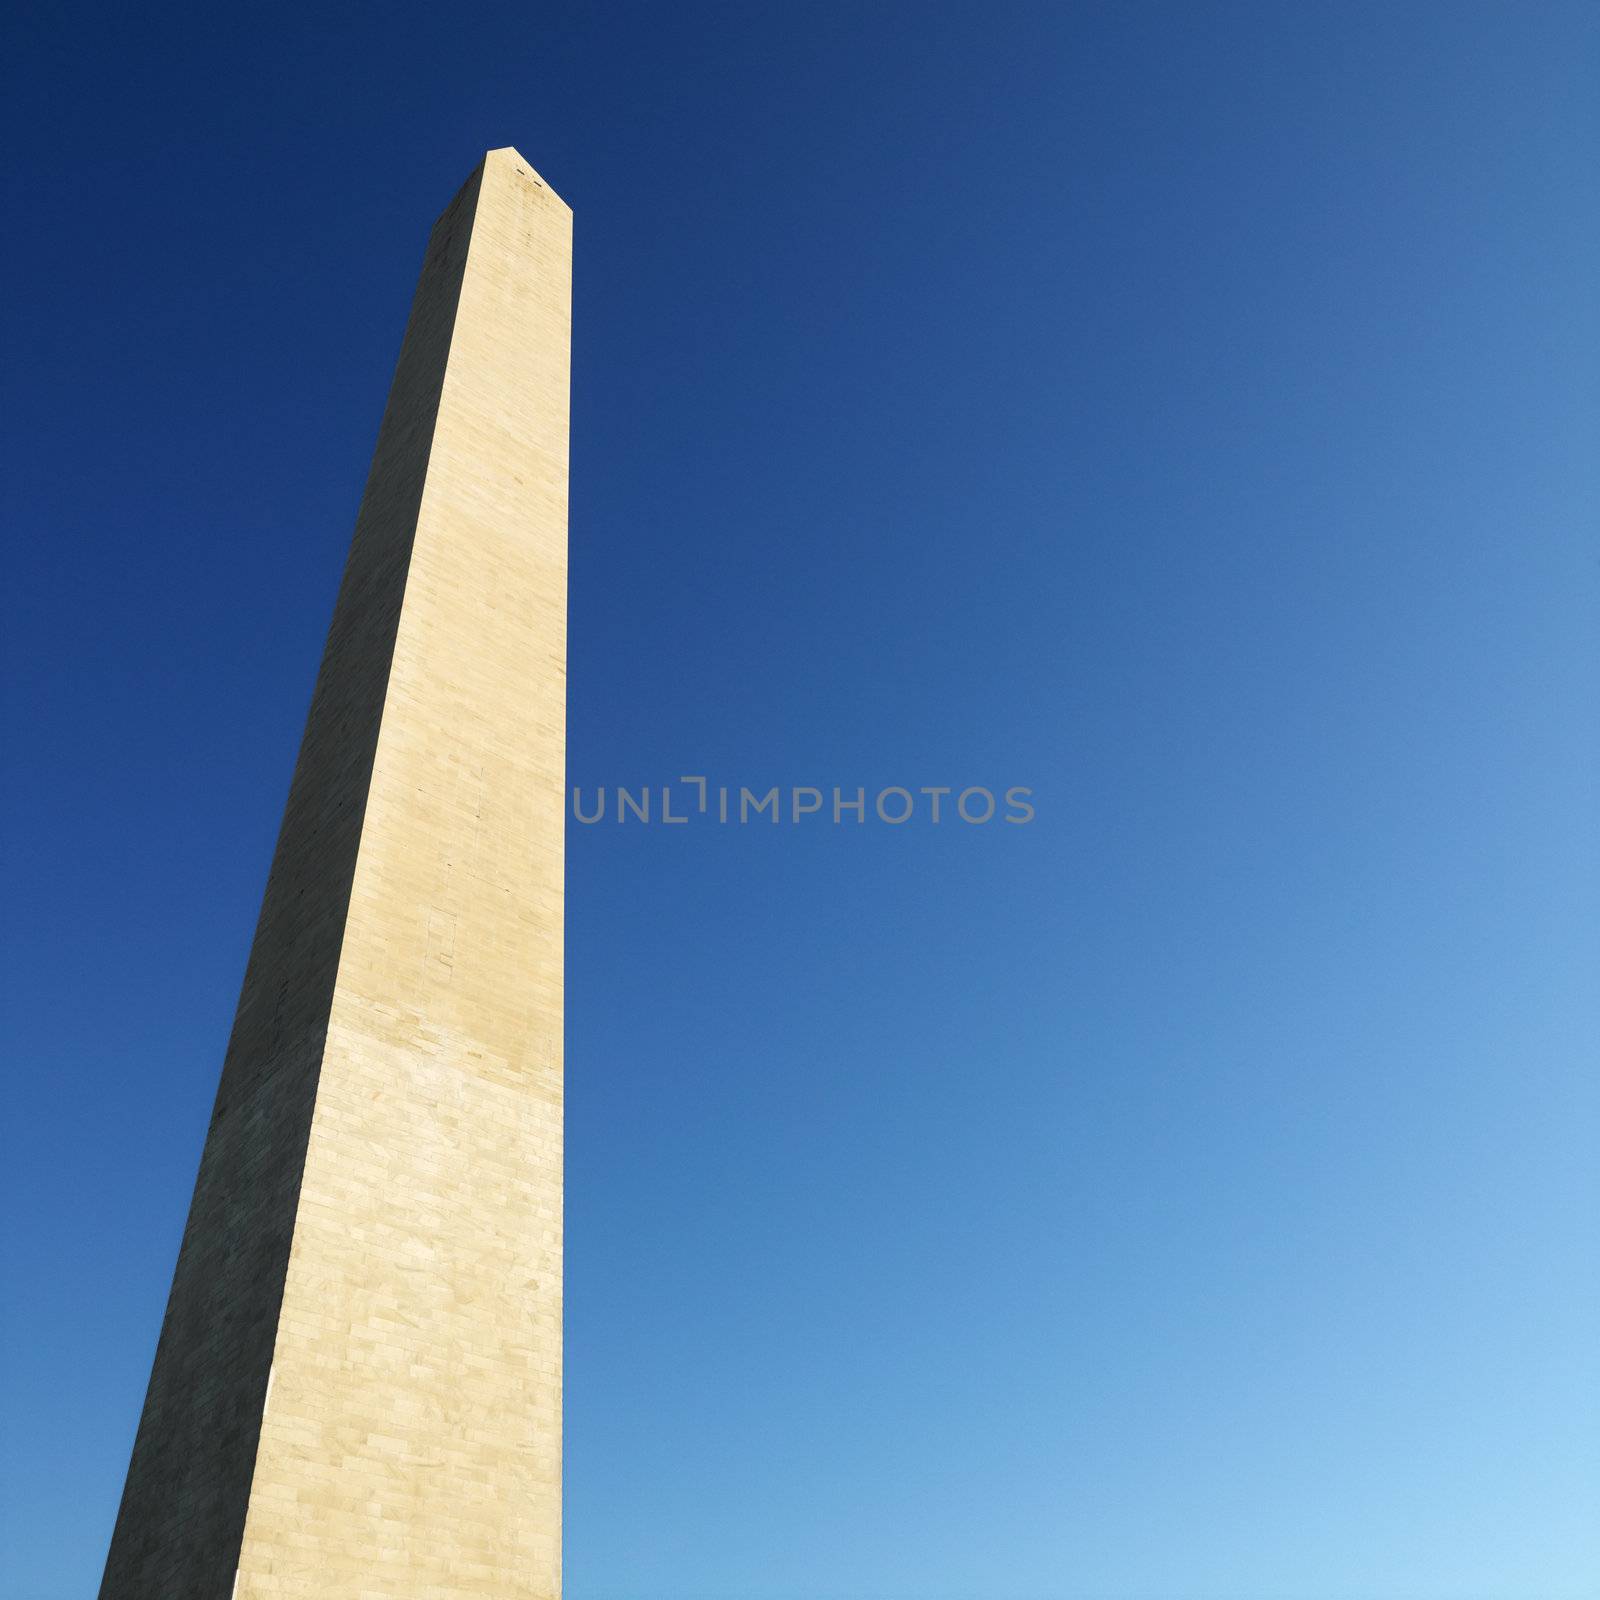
point(357, 1390)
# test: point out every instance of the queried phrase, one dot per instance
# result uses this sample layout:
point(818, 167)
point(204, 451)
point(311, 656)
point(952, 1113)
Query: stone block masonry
point(357, 1390)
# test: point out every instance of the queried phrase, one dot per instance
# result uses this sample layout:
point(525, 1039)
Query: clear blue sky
point(1187, 411)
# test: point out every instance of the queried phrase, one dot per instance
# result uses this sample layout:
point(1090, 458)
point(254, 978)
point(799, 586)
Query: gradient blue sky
point(1184, 410)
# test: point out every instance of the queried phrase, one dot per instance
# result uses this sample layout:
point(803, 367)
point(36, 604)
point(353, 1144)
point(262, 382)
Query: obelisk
point(357, 1390)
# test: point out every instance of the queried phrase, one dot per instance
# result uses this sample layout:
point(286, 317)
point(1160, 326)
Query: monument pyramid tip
point(511, 154)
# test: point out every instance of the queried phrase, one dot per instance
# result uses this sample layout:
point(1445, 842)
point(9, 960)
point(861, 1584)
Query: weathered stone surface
point(357, 1391)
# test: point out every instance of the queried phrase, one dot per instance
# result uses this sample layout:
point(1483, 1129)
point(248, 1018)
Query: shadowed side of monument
point(357, 1385)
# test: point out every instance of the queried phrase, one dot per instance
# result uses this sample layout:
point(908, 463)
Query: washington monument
point(357, 1390)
